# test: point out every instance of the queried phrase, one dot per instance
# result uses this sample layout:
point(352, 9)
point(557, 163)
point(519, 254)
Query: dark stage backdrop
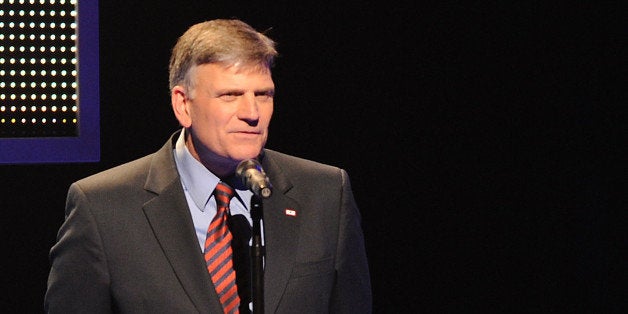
point(477, 117)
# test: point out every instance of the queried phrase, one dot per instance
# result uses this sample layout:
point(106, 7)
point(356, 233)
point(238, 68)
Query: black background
point(484, 125)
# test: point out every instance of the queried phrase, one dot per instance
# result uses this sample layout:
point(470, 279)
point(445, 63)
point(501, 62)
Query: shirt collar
point(196, 179)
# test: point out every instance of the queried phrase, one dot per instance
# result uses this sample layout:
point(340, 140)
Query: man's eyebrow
point(268, 91)
point(229, 91)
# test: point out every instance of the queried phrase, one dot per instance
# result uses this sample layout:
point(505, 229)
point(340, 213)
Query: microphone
point(253, 177)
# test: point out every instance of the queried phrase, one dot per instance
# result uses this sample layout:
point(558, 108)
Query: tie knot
point(223, 194)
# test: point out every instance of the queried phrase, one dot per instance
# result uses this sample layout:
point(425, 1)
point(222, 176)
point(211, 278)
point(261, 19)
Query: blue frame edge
point(86, 146)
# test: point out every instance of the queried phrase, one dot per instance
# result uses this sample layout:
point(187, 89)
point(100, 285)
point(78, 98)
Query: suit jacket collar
point(169, 217)
point(281, 232)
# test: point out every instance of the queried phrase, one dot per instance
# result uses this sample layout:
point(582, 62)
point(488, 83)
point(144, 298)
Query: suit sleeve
point(352, 290)
point(78, 280)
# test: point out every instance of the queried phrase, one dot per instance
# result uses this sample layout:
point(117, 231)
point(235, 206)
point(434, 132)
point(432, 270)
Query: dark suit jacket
point(128, 243)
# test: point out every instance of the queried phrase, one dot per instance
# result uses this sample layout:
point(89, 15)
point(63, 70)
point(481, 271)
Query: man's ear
point(180, 103)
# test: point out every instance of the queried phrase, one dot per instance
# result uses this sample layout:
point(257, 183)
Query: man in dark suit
point(135, 237)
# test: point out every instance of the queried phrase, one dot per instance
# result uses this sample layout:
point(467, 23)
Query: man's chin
point(245, 154)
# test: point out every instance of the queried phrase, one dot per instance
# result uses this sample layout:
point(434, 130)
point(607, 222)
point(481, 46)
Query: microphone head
point(252, 175)
point(245, 165)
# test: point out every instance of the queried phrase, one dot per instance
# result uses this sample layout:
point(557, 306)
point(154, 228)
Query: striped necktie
point(218, 252)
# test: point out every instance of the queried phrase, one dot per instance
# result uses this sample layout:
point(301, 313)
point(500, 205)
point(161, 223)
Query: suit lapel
point(281, 230)
point(169, 217)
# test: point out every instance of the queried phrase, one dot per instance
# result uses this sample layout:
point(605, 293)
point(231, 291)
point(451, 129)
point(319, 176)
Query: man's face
point(227, 113)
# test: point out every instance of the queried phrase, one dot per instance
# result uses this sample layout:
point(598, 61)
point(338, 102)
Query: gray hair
point(229, 42)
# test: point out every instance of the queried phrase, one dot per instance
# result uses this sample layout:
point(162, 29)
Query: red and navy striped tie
point(218, 252)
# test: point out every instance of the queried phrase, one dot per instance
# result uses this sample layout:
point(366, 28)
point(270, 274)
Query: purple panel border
point(86, 146)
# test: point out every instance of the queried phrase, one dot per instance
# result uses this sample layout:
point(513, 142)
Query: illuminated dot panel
point(38, 68)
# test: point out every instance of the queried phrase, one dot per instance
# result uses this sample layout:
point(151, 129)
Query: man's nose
point(248, 110)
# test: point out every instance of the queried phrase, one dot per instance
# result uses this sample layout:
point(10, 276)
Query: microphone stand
point(257, 256)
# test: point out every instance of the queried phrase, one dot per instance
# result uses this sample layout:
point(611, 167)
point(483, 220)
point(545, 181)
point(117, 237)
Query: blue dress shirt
point(198, 185)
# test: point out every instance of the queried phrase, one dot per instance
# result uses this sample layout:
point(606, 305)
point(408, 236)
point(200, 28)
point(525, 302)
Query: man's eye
point(265, 96)
point(228, 96)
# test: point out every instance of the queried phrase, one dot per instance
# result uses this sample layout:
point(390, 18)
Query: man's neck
point(220, 166)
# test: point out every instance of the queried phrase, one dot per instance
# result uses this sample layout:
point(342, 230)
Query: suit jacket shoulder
point(316, 261)
point(128, 241)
